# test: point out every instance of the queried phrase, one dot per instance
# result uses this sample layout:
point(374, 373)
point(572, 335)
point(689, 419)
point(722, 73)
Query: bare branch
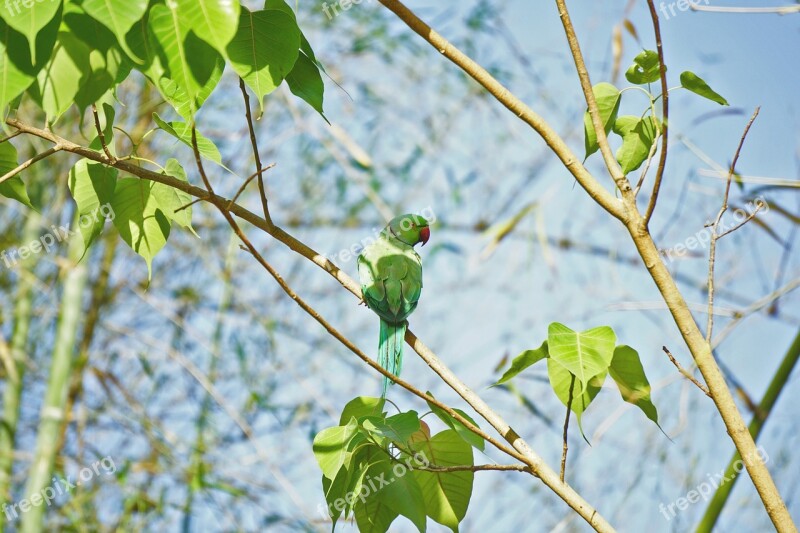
point(780, 10)
point(259, 169)
point(685, 372)
point(712, 250)
point(566, 428)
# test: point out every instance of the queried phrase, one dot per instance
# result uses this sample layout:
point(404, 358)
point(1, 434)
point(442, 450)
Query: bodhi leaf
point(214, 21)
point(13, 188)
point(694, 83)
point(174, 201)
point(331, 447)
point(108, 65)
point(586, 354)
point(92, 186)
point(119, 16)
point(264, 49)
point(397, 428)
point(523, 361)
point(461, 429)
point(360, 407)
point(561, 381)
point(139, 219)
point(28, 18)
point(17, 71)
point(183, 132)
point(59, 82)
point(396, 488)
point(608, 98)
point(372, 513)
point(627, 371)
point(638, 136)
point(446, 495)
point(645, 68)
point(192, 67)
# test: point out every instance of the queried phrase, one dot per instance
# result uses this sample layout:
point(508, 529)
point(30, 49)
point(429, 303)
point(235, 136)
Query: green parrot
point(391, 281)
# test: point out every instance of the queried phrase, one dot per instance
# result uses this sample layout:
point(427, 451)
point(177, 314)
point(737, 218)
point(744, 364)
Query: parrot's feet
point(363, 302)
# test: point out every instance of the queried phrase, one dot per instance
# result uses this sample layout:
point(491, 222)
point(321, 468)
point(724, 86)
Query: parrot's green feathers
point(391, 281)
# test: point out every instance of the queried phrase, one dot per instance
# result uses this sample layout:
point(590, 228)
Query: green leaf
point(608, 98)
point(645, 68)
point(561, 380)
point(139, 219)
point(397, 428)
point(331, 447)
point(586, 354)
point(171, 199)
point(396, 488)
point(192, 67)
point(360, 407)
point(92, 186)
point(17, 71)
point(523, 361)
point(638, 136)
point(446, 495)
point(265, 49)
point(694, 83)
point(28, 18)
point(108, 65)
point(627, 371)
point(119, 16)
point(214, 21)
point(305, 81)
point(468, 436)
point(372, 513)
point(13, 188)
point(60, 81)
point(183, 132)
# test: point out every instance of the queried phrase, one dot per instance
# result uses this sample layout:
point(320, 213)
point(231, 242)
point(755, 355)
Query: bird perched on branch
point(391, 281)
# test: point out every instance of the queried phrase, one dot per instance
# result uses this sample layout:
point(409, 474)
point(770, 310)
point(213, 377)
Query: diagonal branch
point(595, 190)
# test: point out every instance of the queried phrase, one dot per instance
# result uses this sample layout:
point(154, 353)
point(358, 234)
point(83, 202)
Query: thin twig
point(38, 157)
point(712, 250)
point(101, 135)
point(11, 136)
point(662, 162)
point(566, 428)
point(252, 176)
point(685, 373)
point(190, 204)
point(259, 169)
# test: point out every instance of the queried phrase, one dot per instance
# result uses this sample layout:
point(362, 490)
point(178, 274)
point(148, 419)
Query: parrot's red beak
point(424, 235)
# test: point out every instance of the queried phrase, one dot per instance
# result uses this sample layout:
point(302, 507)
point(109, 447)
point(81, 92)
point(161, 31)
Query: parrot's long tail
point(390, 349)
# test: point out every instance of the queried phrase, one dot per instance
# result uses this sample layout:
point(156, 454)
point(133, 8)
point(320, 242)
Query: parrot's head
point(410, 228)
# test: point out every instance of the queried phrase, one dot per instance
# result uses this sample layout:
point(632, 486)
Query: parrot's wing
point(412, 282)
point(391, 278)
